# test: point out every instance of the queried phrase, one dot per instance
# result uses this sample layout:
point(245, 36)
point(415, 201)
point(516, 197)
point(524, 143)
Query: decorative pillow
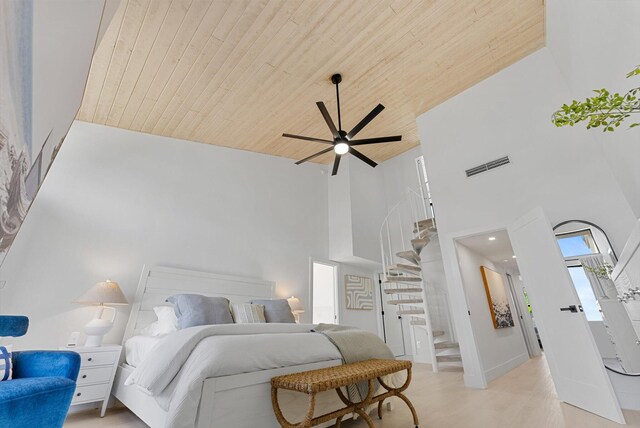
point(276, 310)
point(246, 313)
point(194, 309)
point(6, 365)
point(167, 322)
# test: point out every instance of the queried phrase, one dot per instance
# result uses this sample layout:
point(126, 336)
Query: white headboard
point(157, 283)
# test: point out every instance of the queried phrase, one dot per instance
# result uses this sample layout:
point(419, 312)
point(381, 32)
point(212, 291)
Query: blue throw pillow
point(276, 310)
point(194, 309)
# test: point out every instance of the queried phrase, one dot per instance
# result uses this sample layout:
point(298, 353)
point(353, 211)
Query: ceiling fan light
point(341, 148)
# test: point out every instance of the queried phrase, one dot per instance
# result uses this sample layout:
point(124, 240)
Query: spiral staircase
point(403, 279)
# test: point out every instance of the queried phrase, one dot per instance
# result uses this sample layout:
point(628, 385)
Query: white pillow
point(246, 313)
point(167, 322)
point(6, 364)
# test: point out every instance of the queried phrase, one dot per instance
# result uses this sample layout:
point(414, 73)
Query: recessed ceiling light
point(506, 260)
point(513, 257)
point(492, 238)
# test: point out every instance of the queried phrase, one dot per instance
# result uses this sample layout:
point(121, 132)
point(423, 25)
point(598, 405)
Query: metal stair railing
point(413, 208)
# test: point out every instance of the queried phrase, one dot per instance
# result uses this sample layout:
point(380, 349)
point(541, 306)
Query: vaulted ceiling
point(239, 73)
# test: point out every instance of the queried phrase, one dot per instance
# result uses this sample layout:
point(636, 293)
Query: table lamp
point(296, 307)
point(101, 294)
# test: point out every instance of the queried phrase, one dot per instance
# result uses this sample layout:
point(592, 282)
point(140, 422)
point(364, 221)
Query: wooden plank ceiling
point(239, 73)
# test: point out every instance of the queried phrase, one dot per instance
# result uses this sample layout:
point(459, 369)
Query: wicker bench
point(315, 381)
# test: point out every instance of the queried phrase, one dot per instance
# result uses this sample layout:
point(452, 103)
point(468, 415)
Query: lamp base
point(96, 329)
point(94, 341)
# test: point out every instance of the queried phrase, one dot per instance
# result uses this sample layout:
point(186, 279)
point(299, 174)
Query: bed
point(236, 400)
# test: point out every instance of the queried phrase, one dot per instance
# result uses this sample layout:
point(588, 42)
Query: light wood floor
point(524, 398)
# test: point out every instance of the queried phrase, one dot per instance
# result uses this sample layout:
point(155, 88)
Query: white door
point(391, 324)
point(574, 361)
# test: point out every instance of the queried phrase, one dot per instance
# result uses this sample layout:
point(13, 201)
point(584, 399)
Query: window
point(573, 245)
point(577, 243)
point(585, 293)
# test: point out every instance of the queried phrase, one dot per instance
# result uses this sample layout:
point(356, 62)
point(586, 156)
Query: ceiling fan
point(343, 142)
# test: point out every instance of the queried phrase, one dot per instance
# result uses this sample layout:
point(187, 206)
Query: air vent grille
point(487, 166)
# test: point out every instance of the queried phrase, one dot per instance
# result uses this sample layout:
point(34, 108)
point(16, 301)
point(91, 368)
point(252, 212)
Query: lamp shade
point(103, 293)
point(295, 304)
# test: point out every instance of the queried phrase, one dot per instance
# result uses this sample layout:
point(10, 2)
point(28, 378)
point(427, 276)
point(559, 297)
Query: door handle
point(572, 308)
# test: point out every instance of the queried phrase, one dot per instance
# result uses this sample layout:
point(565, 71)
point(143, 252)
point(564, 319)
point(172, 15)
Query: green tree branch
point(604, 110)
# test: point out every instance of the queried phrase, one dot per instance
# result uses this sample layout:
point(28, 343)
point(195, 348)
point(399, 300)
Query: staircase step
point(404, 268)
point(403, 279)
point(410, 256)
point(418, 321)
point(425, 233)
point(418, 244)
point(448, 358)
point(408, 290)
point(397, 274)
point(446, 345)
point(437, 333)
point(416, 311)
point(405, 301)
point(424, 224)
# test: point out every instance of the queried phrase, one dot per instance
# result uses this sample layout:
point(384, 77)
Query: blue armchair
point(42, 385)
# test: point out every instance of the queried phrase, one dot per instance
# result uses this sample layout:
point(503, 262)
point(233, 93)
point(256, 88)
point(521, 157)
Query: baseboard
point(507, 366)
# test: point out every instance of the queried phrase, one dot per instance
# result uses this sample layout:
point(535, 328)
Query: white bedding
point(138, 347)
point(175, 370)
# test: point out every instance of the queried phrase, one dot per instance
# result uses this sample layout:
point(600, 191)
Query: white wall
point(595, 44)
point(356, 211)
point(509, 113)
point(364, 319)
point(115, 200)
point(64, 37)
point(368, 209)
point(399, 173)
point(501, 350)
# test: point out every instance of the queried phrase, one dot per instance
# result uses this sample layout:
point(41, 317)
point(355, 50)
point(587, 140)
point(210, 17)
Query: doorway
point(496, 303)
point(324, 292)
point(392, 328)
point(573, 359)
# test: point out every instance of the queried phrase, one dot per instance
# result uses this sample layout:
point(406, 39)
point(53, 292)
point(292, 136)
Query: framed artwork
point(497, 297)
point(359, 292)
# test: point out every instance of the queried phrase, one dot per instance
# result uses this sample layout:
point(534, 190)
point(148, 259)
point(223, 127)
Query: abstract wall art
point(359, 292)
point(497, 297)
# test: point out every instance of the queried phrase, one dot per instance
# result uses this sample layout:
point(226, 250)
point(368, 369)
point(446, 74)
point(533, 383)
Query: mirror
point(605, 300)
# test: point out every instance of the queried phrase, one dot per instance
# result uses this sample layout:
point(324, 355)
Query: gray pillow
point(194, 309)
point(276, 310)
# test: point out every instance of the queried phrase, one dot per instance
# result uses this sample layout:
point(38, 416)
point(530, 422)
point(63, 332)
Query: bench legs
point(284, 423)
point(359, 408)
point(396, 392)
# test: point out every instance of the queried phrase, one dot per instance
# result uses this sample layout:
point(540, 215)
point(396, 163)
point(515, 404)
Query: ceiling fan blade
point(327, 118)
point(336, 163)
point(364, 122)
point(300, 137)
point(362, 157)
point(321, 152)
point(375, 140)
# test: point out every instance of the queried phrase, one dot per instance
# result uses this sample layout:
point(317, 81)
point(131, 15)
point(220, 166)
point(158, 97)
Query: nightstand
point(97, 370)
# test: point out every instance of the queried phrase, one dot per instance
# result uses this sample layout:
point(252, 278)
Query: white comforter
point(174, 371)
